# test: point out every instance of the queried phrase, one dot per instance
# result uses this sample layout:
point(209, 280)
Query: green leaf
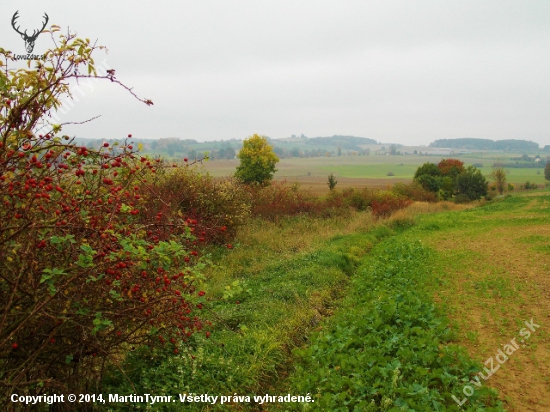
point(100, 324)
point(57, 240)
point(115, 295)
point(48, 274)
point(83, 311)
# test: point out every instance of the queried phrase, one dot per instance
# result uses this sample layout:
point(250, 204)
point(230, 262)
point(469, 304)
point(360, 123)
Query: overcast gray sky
point(406, 72)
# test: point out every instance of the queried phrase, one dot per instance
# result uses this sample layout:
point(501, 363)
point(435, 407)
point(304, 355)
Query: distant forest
point(304, 146)
point(345, 142)
point(470, 143)
point(228, 149)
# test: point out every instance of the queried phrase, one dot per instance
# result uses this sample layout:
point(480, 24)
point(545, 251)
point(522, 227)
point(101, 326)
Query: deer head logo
point(29, 40)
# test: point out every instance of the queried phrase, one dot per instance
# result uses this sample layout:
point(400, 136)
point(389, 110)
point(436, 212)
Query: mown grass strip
point(385, 349)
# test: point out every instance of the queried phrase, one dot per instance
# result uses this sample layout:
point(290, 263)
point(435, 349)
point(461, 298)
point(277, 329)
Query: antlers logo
point(29, 40)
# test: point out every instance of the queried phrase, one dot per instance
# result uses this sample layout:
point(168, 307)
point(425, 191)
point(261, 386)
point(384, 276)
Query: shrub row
point(226, 203)
point(281, 199)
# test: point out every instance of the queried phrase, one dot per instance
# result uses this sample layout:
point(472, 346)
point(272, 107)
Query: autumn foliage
point(451, 167)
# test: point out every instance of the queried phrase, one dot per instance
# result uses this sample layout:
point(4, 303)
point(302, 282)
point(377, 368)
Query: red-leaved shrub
point(387, 203)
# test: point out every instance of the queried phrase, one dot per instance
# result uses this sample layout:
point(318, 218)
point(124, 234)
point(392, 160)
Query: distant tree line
point(227, 152)
point(284, 153)
point(345, 142)
point(534, 165)
point(525, 161)
point(470, 143)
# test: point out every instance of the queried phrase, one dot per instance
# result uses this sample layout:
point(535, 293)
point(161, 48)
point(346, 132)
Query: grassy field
point(366, 171)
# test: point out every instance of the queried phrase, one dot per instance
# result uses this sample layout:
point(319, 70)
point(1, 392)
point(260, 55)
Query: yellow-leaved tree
point(258, 161)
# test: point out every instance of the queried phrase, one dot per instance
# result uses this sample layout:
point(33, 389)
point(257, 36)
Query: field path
point(495, 275)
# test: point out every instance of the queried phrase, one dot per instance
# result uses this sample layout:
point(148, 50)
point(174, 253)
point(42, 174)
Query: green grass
point(490, 262)
point(519, 175)
point(365, 358)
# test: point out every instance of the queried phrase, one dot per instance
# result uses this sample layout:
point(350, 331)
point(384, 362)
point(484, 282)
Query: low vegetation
point(386, 347)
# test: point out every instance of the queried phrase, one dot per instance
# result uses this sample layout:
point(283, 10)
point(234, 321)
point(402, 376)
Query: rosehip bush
point(93, 261)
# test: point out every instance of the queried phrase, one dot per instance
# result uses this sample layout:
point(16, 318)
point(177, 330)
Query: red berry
point(201, 293)
point(105, 144)
point(130, 135)
point(14, 346)
point(207, 334)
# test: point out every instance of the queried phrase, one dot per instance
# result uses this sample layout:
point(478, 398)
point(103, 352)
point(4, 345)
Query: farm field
point(366, 171)
point(400, 313)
